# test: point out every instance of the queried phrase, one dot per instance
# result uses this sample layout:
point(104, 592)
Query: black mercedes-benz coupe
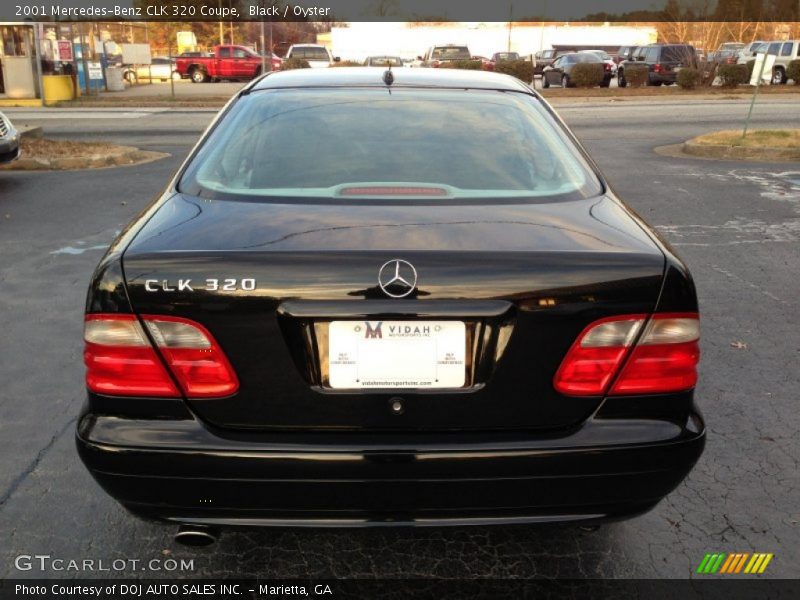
point(404, 298)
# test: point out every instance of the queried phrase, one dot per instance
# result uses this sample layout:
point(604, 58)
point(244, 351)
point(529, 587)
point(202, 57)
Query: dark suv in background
point(625, 53)
point(542, 59)
point(663, 62)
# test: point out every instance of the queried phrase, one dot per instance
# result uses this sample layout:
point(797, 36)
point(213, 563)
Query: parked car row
point(560, 72)
point(663, 62)
point(784, 52)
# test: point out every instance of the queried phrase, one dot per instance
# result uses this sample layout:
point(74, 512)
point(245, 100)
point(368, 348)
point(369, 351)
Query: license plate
point(396, 354)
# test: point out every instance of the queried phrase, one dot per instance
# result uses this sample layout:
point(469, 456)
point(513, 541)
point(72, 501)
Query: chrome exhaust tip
point(196, 535)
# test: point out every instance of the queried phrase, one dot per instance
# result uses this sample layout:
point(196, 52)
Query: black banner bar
point(710, 587)
point(401, 10)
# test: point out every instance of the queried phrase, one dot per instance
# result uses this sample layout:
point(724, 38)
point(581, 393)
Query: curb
point(29, 131)
point(740, 152)
point(117, 157)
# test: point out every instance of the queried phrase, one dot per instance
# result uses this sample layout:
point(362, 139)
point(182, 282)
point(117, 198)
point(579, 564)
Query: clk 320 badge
point(209, 285)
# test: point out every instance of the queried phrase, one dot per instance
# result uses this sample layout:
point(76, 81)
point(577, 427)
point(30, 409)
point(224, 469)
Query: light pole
point(510, 19)
point(230, 7)
point(221, 30)
point(263, 48)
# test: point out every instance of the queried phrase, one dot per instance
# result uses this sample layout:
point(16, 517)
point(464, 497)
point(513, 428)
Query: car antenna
point(388, 76)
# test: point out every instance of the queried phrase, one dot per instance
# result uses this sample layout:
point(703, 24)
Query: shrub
point(708, 72)
point(473, 65)
point(295, 63)
point(793, 71)
point(732, 75)
point(636, 75)
point(689, 78)
point(586, 75)
point(521, 69)
point(346, 63)
point(751, 64)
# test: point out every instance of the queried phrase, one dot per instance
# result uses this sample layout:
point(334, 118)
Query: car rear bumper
point(179, 470)
point(670, 77)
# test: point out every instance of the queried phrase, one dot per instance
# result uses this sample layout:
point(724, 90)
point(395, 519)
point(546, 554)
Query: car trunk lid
point(267, 279)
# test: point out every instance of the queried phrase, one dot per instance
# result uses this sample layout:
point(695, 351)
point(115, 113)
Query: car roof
point(373, 77)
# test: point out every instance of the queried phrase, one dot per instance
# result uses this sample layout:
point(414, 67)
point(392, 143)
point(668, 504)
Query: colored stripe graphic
point(764, 564)
point(741, 562)
point(729, 564)
point(718, 563)
point(703, 563)
point(726, 566)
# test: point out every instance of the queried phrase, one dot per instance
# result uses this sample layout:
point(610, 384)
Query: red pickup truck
point(227, 62)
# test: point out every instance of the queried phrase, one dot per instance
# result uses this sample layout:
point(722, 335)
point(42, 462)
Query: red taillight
point(657, 68)
point(664, 359)
point(435, 64)
point(121, 361)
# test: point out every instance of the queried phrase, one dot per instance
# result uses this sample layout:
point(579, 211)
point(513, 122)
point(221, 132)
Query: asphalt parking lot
point(736, 224)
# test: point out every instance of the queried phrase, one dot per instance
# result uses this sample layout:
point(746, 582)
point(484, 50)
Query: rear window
point(451, 53)
point(323, 143)
point(310, 53)
point(677, 53)
point(382, 61)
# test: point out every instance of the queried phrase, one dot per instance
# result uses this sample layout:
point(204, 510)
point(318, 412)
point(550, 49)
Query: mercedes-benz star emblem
point(397, 278)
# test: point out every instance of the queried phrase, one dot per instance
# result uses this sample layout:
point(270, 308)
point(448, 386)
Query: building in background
point(356, 41)
point(20, 76)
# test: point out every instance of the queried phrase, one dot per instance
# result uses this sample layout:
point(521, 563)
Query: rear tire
point(621, 81)
point(545, 83)
point(198, 76)
point(778, 76)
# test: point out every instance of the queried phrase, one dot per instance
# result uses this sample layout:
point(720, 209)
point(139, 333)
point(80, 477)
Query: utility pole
point(230, 6)
point(169, 55)
point(541, 34)
point(221, 30)
point(270, 43)
point(263, 47)
point(510, 19)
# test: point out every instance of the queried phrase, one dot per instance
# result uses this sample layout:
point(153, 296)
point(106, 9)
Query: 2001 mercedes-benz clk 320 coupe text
point(389, 298)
